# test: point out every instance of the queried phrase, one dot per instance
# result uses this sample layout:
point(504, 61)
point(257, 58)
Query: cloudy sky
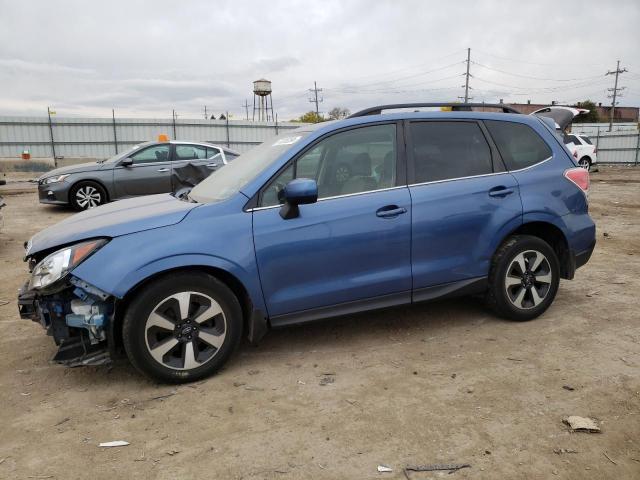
point(145, 58)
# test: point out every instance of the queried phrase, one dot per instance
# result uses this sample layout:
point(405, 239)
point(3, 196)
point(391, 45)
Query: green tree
point(592, 116)
point(311, 117)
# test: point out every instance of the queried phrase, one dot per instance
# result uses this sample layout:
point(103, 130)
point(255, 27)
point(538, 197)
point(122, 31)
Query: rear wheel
point(182, 328)
point(85, 195)
point(585, 162)
point(524, 278)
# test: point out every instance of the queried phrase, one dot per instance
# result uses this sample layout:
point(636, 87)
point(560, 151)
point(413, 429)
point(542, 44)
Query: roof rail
point(454, 106)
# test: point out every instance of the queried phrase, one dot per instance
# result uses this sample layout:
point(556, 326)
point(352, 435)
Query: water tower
point(262, 100)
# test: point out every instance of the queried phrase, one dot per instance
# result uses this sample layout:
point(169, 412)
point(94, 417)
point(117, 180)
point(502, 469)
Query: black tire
point(503, 294)
point(86, 194)
point(585, 162)
point(138, 328)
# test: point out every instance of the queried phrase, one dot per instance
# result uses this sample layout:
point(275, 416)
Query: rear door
point(150, 172)
point(463, 201)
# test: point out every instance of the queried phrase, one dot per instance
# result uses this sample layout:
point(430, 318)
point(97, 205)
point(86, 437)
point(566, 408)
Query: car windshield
point(228, 180)
point(125, 154)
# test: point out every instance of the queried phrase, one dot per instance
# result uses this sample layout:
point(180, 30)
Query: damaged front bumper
point(77, 315)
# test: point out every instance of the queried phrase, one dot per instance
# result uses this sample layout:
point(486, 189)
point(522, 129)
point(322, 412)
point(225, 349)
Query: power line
point(615, 91)
point(411, 67)
point(534, 78)
point(513, 60)
point(385, 89)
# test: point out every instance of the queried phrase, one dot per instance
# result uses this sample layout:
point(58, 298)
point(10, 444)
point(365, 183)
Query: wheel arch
point(555, 237)
point(230, 280)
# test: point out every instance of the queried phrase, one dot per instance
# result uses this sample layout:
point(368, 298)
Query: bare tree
point(338, 113)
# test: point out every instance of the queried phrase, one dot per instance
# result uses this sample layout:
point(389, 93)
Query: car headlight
point(54, 179)
point(58, 264)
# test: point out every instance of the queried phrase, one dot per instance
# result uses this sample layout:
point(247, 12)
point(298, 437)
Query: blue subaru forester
point(377, 210)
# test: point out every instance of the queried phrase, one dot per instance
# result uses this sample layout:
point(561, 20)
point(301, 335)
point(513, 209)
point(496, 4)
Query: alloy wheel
point(342, 174)
point(185, 331)
point(528, 279)
point(88, 197)
point(584, 163)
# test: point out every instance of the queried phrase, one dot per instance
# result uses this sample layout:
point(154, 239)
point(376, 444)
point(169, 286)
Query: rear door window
point(519, 145)
point(190, 152)
point(449, 150)
point(586, 140)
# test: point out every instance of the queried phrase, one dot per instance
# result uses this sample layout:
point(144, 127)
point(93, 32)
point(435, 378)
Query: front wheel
point(524, 278)
point(86, 195)
point(182, 327)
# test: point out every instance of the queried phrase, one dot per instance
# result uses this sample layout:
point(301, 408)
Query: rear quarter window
point(519, 145)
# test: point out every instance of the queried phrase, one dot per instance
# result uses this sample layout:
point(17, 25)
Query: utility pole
point(466, 83)
point(246, 108)
point(614, 91)
point(174, 115)
point(315, 98)
point(206, 117)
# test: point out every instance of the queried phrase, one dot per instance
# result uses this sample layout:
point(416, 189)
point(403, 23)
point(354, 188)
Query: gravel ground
point(445, 382)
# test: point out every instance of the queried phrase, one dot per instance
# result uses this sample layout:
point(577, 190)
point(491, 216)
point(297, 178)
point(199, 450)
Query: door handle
point(500, 191)
point(163, 170)
point(390, 211)
point(212, 164)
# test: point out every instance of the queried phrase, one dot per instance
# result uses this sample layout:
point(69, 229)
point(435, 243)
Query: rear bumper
point(54, 193)
point(581, 258)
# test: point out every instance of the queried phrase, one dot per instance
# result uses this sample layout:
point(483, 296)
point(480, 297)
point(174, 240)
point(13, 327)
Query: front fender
point(205, 238)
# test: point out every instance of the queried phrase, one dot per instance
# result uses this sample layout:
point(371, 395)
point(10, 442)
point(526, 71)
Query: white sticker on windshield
point(286, 141)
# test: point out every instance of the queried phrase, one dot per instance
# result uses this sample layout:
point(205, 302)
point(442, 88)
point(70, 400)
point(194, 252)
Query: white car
point(582, 150)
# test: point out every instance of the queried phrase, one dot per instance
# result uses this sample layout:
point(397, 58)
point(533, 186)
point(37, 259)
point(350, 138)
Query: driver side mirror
point(300, 191)
point(127, 162)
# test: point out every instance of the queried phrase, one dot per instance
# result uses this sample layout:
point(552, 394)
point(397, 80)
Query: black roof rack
point(454, 107)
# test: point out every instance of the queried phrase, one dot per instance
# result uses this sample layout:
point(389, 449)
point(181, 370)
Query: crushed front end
point(76, 314)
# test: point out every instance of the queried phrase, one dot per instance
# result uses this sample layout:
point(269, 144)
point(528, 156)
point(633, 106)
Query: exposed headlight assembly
point(55, 179)
point(59, 263)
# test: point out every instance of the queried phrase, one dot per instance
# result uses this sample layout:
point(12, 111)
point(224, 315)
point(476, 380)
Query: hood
point(81, 167)
point(562, 116)
point(112, 220)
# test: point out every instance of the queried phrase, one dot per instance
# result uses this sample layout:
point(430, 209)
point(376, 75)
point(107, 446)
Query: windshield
point(228, 180)
point(125, 154)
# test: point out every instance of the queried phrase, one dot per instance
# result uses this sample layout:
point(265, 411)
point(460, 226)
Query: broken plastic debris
point(115, 443)
point(582, 424)
point(384, 468)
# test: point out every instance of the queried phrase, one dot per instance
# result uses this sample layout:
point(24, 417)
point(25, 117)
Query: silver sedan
point(148, 168)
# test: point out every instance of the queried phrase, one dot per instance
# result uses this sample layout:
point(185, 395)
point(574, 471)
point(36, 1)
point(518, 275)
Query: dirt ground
point(444, 382)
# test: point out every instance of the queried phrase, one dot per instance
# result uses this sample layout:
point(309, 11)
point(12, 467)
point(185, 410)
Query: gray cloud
point(147, 59)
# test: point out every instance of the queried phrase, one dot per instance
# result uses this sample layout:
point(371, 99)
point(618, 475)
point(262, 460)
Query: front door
point(463, 203)
point(351, 248)
point(150, 172)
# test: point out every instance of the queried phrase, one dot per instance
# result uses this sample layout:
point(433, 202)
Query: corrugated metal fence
point(103, 137)
point(621, 145)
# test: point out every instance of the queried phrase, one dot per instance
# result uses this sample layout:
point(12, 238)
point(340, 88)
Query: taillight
point(580, 177)
point(575, 154)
